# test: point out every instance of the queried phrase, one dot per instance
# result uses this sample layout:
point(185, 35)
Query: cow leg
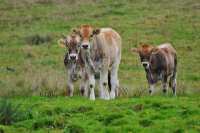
point(103, 83)
point(83, 88)
point(164, 83)
point(70, 88)
point(91, 86)
point(84, 84)
point(172, 83)
point(151, 89)
point(114, 82)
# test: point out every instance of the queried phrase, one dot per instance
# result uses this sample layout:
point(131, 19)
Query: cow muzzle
point(73, 56)
point(145, 64)
point(85, 46)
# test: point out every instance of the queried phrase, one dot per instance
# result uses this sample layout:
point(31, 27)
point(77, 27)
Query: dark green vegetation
point(79, 115)
point(31, 63)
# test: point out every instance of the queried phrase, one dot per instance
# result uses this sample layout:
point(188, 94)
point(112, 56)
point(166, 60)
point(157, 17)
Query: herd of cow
point(96, 54)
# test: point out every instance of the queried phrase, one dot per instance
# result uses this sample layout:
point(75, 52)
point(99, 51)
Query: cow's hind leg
point(172, 83)
point(114, 82)
point(164, 83)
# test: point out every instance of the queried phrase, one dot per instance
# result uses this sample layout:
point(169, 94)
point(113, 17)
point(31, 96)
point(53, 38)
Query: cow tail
point(175, 66)
point(109, 81)
point(174, 72)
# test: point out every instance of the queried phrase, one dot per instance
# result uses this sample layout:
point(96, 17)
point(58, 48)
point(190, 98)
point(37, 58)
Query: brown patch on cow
point(109, 36)
point(145, 49)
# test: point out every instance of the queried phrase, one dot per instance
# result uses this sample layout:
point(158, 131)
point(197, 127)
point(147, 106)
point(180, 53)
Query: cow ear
point(135, 50)
point(76, 31)
point(62, 43)
point(96, 31)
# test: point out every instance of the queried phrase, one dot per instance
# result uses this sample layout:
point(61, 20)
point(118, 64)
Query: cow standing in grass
point(101, 52)
point(160, 63)
point(74, 64)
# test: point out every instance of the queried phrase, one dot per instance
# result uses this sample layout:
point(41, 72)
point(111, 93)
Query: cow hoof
point(150, 91)
point(82, 92)
point(92, 97)
point(112, 95)
point(107, 98)
point(164, 90)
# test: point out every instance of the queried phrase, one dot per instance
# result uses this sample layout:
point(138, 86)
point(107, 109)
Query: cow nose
point(85, 46)
point(72, 57)
point(145, 65)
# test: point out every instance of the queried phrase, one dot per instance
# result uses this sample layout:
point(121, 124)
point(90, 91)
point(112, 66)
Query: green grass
point(31, 65)
point(42, 22)
point(144, 114)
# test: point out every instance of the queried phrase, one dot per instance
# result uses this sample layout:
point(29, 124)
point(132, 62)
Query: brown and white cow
point(74, 64)
point(101, 52)
point(160, 63)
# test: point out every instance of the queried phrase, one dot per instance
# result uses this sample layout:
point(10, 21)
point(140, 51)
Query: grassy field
point(127, 115)
point(31, 64)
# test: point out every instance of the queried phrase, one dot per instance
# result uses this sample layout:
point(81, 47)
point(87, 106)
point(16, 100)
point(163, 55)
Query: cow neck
point(80, 59)
point(87, 61)
point(97, 49)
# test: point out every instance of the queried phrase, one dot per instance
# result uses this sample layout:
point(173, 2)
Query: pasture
point(33, 76)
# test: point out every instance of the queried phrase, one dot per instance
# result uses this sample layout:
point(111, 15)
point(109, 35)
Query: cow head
point(86, 33)
point(144, 51)
point(72, 43)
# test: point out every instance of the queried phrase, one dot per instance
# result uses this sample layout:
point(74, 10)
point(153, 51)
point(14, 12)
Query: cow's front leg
point(151, 88)
point(103, 83)
point(91, 86)
point(151, 81)
point(70, 88)
point(84, 88)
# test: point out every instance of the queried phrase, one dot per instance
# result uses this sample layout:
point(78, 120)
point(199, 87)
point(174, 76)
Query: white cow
point(101, 52)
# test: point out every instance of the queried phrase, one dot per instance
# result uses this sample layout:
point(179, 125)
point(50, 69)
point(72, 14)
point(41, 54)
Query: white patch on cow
point(106, 29)
point(164, 45)
point(92, 95)
point(146, 63)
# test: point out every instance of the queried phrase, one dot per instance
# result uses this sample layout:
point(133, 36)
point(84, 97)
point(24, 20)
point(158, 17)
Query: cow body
point(74, 65)
point(101, 52)
point(160, 63)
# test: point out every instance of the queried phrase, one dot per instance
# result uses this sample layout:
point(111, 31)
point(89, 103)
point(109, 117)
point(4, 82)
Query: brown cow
point(101, 52)
point(160, 63)
point(74, 64)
